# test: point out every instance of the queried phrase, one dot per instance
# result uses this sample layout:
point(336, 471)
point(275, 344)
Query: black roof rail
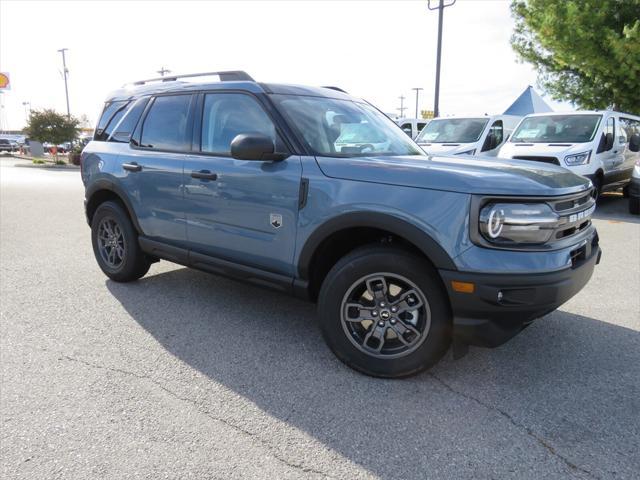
point(338, 89)
point(228, 76)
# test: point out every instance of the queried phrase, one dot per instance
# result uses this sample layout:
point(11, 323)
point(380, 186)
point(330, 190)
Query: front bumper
point(501, 305)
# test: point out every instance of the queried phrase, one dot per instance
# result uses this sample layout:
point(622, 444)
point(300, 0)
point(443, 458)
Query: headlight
point(468, 152)
point(578, 159)
point(517, 223)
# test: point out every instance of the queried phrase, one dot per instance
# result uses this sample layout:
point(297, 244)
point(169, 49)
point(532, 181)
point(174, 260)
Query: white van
point(467, 136)
point(412, 126)
point(600, 145)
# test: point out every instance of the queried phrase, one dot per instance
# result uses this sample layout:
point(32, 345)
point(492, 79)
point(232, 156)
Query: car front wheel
point(383, 312)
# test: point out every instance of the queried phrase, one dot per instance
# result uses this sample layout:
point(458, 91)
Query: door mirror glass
point(255, 146)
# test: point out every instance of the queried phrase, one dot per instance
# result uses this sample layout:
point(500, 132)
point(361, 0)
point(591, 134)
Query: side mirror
point(634, 143)
point(255, 146)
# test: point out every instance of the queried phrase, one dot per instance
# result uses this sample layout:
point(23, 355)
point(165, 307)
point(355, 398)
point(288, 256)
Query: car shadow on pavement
point(563, 385)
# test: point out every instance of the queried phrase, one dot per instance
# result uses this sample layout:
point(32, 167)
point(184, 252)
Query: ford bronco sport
point(315, 193)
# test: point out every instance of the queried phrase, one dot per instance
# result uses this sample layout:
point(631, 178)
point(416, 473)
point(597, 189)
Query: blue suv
point(312, 192)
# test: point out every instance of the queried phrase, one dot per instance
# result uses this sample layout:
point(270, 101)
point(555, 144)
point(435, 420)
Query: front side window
point(453, 130)
point(343, 128)
point(226, 115)
point(495, 136)
point(165, 126)
point(609, 131)
point(557, 129)
point(406, 128)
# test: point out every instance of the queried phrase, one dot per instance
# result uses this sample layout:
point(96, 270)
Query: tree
point(585, 51)
point(49, 126)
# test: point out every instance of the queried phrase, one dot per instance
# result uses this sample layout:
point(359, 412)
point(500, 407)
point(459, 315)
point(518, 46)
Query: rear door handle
point(204, 175)
point(132, 167)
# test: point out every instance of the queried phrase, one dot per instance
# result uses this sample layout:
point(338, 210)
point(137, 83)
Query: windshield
point(344, 128)
point(453, 130)
point(557, 129)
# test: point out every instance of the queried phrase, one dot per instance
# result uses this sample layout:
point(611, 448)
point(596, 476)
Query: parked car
point(634, 190)
point(412, 126)
point(467, 135)
point(7, 145)
point(404, 254)
point(600, 145)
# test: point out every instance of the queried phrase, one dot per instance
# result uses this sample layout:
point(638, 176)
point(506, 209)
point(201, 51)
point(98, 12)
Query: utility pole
point(66, 73)
point(402, 107)
point(441, 6)
point(163, 71)
point(417, 89)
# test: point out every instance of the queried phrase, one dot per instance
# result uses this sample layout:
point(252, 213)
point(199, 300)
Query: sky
point(378, 50)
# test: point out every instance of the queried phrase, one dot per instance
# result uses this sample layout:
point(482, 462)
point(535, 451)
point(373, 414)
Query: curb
point(47, 166)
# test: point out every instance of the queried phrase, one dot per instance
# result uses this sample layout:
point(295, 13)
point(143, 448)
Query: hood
point(446, 148)
point(458, 174)
point(558, 150)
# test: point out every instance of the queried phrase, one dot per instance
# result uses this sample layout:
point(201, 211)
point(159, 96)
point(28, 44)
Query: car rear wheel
point(115, 244)
point(383, 312)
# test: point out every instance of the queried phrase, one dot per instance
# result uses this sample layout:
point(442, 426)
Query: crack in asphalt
point(540, 440)
point(208, 414)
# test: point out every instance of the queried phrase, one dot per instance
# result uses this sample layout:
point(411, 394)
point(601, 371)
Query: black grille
point(552, 160)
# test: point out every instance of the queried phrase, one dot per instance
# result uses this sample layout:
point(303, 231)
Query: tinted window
point(227, 115)
point(106, 119)
point(406, 127)
point(124, 128)
point(165, 126)
point(609, 129)
point(495, 136)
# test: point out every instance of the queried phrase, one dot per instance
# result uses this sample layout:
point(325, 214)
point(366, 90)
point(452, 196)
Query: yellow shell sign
point(4, 81)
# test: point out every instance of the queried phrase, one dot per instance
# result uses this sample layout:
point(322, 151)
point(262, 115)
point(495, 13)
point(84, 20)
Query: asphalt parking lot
point(187, 375)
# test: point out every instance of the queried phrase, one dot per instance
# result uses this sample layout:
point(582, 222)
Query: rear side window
point(125, 127)
point(111, 115)
point(165, 126)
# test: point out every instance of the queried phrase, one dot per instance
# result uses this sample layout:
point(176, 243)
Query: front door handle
point(132, 167)
point(204, 175)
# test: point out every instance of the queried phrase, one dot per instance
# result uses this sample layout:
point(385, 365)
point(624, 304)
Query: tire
point(634, 205)
point(625, 191)
point(597, 188)
point(356, 278)
point(115, 244)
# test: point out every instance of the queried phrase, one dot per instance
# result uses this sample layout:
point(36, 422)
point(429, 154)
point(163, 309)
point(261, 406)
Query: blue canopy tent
point(528, 102)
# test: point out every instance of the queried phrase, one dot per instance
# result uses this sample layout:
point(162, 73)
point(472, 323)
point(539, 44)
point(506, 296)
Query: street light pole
point(417, 89)
point(441, 6)
point(66, 72)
